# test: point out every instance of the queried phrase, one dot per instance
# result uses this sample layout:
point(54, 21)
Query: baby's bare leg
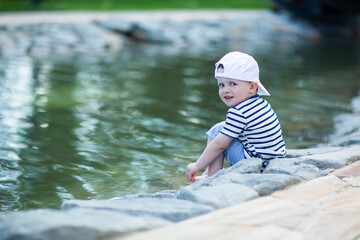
point(213, 167)
point(216, 165)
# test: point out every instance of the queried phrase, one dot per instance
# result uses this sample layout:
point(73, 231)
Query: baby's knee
point(215, 130)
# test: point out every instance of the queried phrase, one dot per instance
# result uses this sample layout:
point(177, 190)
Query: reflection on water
point(90, 127)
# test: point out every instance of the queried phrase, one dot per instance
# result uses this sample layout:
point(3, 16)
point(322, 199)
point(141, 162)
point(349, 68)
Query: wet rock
point(74, 224)
point(173, 210)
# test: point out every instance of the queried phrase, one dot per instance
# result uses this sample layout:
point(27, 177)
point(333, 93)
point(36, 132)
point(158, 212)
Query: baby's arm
point(213, 150)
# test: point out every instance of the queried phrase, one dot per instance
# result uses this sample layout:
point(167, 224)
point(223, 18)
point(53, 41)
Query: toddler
point(251, 128)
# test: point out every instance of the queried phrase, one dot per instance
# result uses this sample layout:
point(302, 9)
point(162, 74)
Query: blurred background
point(111, 5)
point(82, 119)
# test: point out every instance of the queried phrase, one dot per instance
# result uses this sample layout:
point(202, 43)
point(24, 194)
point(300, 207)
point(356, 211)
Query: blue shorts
point(235, 151)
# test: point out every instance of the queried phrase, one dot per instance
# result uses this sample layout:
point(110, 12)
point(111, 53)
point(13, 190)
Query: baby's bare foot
point(202, 177)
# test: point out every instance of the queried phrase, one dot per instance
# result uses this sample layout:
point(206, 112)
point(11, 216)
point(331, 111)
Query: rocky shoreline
point(116, 218)
point(41, 35)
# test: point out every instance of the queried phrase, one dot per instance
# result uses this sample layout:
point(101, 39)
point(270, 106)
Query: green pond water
point(102, 126)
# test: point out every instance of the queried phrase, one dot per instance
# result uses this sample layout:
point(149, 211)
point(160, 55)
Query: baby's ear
point(253, 87)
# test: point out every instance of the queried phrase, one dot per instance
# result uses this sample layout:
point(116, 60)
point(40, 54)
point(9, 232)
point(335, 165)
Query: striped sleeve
point(234, 124)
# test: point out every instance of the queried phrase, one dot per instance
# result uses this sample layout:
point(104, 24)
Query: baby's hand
point(191, 170)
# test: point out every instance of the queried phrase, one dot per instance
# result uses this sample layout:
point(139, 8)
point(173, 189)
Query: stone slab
point(355, 182)
point(352, 170)
point(262, 211)
point(333, 225)
point(348, 200)
point(219, 232)
point(272, 232)
point(250, 220)
point(312, 191)
point(185, 230)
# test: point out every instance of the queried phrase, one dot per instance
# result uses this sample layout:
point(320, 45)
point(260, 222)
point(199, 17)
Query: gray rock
point(218, 196)
point(355, 104)
point(170, 209)
point(63, 35)
point(150, 32)
point(337, 159)
point(117, 25)
point(251, 165)
point(355, 139)
point(7, 44)
point(96, 37)
point(347, 128)
point(200, 33)
point(295, 153)
point(263, 184)
point(293, 167)
point(76, 224)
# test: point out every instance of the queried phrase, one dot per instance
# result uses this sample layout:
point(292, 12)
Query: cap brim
point(262, 90)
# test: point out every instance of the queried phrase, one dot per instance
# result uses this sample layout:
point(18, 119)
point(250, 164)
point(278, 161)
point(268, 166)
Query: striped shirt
point(254, 123)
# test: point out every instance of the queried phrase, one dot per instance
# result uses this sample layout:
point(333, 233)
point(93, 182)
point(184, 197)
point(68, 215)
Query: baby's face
point(233, 92)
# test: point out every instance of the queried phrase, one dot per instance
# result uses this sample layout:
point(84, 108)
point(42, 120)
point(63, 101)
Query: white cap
point(240, 66)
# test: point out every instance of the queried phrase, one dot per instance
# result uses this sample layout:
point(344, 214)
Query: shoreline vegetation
point(111, 5)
